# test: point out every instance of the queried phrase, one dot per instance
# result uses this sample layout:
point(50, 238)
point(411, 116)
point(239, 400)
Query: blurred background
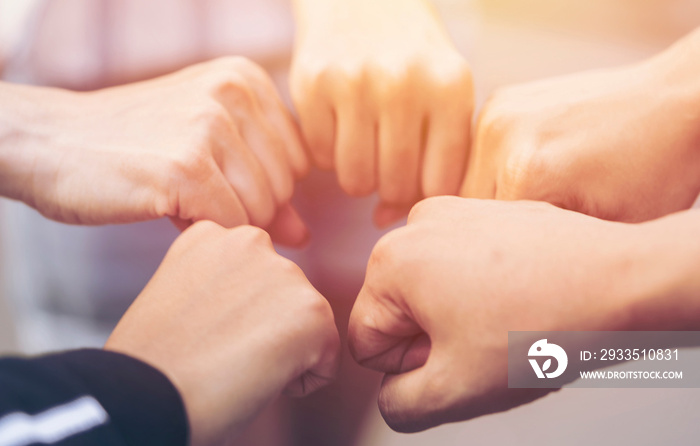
point(66, 287)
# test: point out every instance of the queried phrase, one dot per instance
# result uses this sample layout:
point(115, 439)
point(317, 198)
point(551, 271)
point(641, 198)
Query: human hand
point(620, 144)
point(232, 324)
point(383, 97)
point(210, 142)
point(441, 294)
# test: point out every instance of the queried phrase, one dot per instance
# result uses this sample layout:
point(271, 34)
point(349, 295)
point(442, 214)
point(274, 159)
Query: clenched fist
point(620, 144)
point(442, 293)
point(383, 97)
point(232, 324)
point(211, 142)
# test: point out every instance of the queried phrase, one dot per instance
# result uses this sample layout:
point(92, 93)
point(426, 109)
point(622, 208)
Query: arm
point(211, 142)
point(441, 294)
point(621, 144)
point(233, 325)
point(88, 397)
point(225, 325)
point(383, 97)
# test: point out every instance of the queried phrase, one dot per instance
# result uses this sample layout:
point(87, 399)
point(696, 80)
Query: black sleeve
point(86, 398)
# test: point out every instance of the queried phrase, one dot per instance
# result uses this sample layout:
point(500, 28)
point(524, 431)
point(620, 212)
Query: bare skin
point(620, 144)
point(442, 293)
point(232, 324)
point(211, 142)
point(383, 97)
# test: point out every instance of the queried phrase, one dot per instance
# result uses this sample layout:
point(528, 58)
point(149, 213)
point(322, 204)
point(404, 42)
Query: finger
point(381, 333)
point(247, 115)
point(282, 121)
point(318, 125)
point(480, 179)
point(248, 179)
point(279, 117)
point(288, 228)
point(447, 149)
point(400, 132)
point(386, 215)
point(318, 377)
point(214, 200)
point(356, 150)
point(325, 368)
point(268, 147)
point(416, 400)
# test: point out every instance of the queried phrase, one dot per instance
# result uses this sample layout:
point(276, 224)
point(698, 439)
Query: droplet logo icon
point(542, 349)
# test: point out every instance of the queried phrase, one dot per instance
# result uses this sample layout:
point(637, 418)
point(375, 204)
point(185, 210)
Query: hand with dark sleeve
point(223, 327)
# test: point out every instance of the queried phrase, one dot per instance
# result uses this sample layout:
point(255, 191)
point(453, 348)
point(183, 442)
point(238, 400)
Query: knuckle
point(238, 94)
point(234, 64)
point(210, 117)
point(522, 175)
point(427, 208)
point(388, 250)
point(196, 236)
point(495, 125)
point(251, 237)
point(455, 80)
point(316, 313)
point(312, 79)
point(203, 228)
point(193, 164)
point(286, 267)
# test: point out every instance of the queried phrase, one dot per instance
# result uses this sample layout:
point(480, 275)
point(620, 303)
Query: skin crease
point(232, 324)
point(604, 143)
point(383, 97)
point(441, 294)
point(210, 142)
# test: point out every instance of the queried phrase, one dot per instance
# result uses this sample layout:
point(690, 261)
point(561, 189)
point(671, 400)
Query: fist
point(385, 99)
point(211, 142)
point(441, 294)
point(232, 324)
point(616, 144)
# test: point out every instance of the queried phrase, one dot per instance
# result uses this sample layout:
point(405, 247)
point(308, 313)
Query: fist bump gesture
point(385, 100)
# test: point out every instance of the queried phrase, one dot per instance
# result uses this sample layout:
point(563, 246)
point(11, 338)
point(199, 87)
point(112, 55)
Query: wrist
point(28, 130)
point(673, 83)
point(345, 16)
point(660, 272)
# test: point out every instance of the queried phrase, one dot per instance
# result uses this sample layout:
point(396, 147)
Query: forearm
point(663, 274)
point(339, 16)
point(28, 120)
point(679, 66)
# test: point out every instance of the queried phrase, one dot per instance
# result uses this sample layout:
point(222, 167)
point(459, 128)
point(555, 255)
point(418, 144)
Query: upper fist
point(211, 142)
point(616, 144)
point(387, 104)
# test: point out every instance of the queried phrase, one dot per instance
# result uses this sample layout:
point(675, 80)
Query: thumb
point(416, 400)
point(382, 337)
